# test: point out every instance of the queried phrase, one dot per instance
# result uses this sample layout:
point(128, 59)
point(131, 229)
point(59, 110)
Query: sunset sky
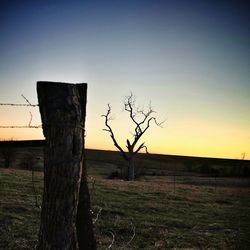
point(190, 59)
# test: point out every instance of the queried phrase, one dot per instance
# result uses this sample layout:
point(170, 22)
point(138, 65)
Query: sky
point(189, 59)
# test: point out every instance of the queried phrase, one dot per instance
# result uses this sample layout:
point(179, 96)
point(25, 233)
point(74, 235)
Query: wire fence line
point(24, 126)
point(27, 104)
point(19, 104)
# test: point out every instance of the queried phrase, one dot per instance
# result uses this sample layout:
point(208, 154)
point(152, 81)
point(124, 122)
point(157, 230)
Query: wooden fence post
point(63, 109)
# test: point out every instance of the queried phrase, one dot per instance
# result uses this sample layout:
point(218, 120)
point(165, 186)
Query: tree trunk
point(131, 168)
point(63, 116)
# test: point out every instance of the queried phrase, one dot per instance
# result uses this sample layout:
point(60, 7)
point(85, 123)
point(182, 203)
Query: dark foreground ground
point(152, 213)
point(176, 203)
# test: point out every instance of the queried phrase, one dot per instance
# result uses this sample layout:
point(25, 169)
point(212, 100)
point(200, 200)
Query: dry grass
point(157, 214)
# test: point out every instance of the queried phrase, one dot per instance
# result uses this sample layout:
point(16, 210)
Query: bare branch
point(128, 144)
point(109, 129)
point(104, 129)
point(129, 106)
point(141, 147)
point(148, 124)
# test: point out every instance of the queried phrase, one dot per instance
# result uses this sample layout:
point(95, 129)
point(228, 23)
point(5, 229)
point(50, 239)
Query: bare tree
point(142, 120)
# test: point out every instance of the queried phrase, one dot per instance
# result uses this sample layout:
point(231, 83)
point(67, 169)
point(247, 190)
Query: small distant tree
point(142, 120)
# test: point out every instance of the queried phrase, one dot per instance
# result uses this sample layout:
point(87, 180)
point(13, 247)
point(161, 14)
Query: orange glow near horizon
point(189, 145)
point(192, 137)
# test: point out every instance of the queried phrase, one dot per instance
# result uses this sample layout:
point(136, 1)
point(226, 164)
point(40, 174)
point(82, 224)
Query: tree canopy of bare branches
point(142, 120)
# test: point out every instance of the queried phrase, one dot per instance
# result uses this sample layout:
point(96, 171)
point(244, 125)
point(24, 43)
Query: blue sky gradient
point(190, 58)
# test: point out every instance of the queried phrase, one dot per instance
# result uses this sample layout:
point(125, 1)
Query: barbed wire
point(19, 104)
point(31, 117)
point(28, 104)
point(7, 126)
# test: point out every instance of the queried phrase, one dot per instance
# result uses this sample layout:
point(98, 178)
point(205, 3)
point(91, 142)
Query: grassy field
point(151, 213)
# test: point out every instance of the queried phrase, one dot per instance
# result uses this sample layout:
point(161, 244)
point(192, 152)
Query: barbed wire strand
point(19, 104)
point(7, 126)
point(31, 117)
point(25, 105)
point(28, 104)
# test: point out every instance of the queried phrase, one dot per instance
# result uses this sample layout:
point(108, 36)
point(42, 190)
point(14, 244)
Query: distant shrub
point(114, 175)
point(119, 173)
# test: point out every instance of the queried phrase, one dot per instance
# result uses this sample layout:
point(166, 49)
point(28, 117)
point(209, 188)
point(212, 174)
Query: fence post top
point(61, 83)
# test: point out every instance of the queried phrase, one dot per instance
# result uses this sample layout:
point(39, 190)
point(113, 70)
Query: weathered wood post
point(63, 109)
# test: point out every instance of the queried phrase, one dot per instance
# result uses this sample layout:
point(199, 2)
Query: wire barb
point(26, 99)
point(31, 116)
